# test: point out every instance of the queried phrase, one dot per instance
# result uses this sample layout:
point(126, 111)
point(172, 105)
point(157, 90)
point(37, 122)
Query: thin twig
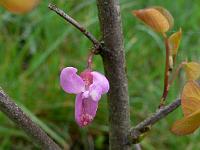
point(145, 125)
point(176, 73)
point(69, 19)
point(167, 72)
point(12, 111)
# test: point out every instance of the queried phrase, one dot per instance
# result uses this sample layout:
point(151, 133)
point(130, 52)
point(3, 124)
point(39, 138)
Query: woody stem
point(167, 72)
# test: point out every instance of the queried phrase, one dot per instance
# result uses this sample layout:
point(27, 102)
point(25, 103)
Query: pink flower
point(88, 87)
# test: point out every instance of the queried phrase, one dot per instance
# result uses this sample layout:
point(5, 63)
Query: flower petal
point(87, 77)
point(70, 81)
point(85, 110)
point(101, 80)
point(78, 108)
point(95, 92)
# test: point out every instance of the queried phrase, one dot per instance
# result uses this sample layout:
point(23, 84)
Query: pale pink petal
point(70, 81)
point(86, 94)
point(95, 92)
point(101, 80)
point(78, 108)
point(85, 110)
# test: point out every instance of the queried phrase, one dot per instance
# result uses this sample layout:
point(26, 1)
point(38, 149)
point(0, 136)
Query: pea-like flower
point(88, 87)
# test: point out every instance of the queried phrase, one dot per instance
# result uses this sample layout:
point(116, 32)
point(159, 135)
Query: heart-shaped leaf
point(19, 6)
point(190, 98)
point(157, 18)
point(192, 70)
point(187, 125)
point(190, 102)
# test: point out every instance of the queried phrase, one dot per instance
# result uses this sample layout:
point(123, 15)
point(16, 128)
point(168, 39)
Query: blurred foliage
point(36, 46)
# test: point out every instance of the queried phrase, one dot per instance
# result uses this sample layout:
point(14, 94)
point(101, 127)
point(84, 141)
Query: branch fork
point(145, 125)
point(136, 132)
point(12, 111)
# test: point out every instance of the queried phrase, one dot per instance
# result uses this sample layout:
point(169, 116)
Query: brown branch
point(12, 111)
point(70, 20)
point(115, 69)
point(145, 125)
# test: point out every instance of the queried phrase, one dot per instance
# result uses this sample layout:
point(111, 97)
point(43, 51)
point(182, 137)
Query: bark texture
point(114, 65)
point(12, 111)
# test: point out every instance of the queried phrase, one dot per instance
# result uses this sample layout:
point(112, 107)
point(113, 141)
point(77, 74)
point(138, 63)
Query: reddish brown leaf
point(174, 42)
point(190, 102)
point(190, 98)
point(157, 18)
point(19, 6)
point(187, 125)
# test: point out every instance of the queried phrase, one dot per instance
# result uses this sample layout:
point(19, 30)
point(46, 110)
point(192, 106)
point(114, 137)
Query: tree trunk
point(114, 65)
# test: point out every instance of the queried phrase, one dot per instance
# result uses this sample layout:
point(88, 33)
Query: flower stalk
point(90, 60)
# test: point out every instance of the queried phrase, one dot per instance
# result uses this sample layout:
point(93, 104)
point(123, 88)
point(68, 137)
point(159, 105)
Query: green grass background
point(36, 46)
